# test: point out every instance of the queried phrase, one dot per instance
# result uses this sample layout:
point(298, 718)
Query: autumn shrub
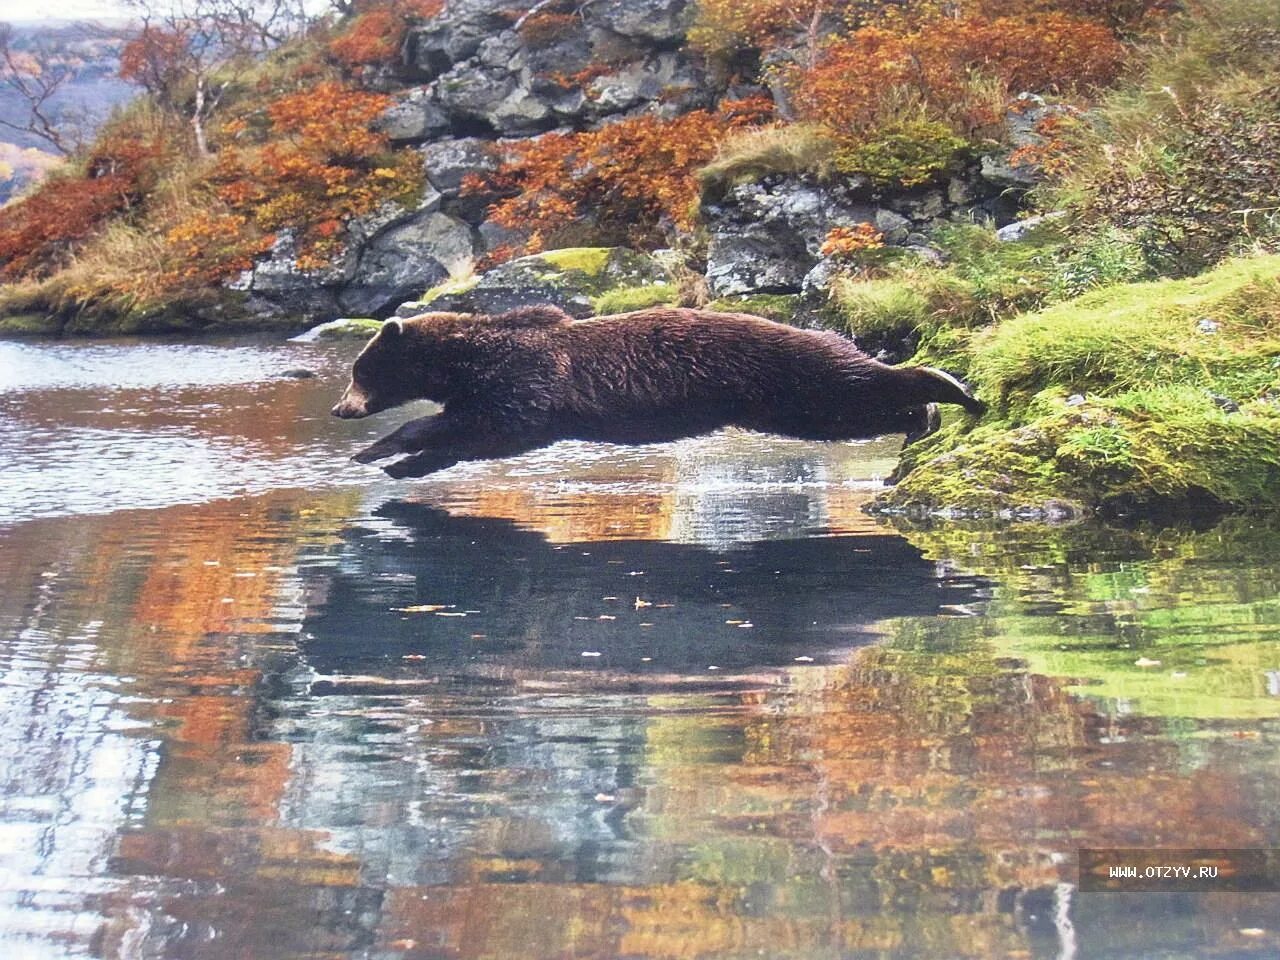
point(1184, 160)
point(633, 180)
point(41, 232)
point(847, 91)
point(1215, 189)
point(377, 31)
point(321, 164)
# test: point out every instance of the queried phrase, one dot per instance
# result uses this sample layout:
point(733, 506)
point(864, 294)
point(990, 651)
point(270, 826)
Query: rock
point(447, 162)
point(1020, 228)
point(570, 279)
point(413, 118)
point(344, 328)
point(817, 281)
point(452, 36)
point(279, 274)
point(895, 228)
point(1207, 325)
point(405, 260)
point(647, 81)
point(765, 237)
point(664, 21)
point(297, 373)
point(997, 169)
point(494, 235)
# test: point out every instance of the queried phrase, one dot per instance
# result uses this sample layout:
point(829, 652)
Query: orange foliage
point(846, 242)
point(632, 179)
point(154, 59)
point(322, 164)
point(846, 90)
point(40, 232)
point(376, 33)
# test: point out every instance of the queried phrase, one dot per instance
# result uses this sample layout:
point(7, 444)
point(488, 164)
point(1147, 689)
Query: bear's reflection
point(431, 593)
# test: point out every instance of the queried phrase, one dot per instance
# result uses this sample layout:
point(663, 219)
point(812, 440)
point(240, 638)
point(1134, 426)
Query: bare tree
point(186, 53)
point(36, 75)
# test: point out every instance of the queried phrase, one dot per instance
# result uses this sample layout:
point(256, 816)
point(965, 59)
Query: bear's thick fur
point(521, 380)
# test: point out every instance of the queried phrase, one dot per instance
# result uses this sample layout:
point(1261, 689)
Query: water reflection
point(356, 720)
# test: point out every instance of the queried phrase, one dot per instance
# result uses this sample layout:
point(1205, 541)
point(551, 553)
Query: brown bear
point(520, 380)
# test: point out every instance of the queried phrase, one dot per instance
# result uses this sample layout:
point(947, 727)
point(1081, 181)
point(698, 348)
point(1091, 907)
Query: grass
point(626, 299)
point(1135, 397)
point(796, 149)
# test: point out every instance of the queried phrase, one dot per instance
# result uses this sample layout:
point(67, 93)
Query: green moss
point(345, 328)
point(30, 325)
point(590, 261)
point(450, 287)
point(772, 306)
point(626, 299)
point(1141, 396)
point(909, 153)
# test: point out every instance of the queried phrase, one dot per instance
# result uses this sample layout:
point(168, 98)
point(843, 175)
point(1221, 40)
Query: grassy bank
point(1145, 396)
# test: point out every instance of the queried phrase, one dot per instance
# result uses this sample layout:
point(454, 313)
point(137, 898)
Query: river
point(684, 701)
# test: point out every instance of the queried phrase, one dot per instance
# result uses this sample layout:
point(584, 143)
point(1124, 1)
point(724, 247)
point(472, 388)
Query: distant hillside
point(85, 101)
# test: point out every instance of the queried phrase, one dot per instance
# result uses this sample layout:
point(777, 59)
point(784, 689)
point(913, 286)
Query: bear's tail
point(937, 386)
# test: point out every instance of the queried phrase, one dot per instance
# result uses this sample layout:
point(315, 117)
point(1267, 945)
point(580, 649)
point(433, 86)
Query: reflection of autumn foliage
point(634, 178)
point(375, 34)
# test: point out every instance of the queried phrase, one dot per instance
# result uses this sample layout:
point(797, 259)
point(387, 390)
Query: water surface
point(683, 701)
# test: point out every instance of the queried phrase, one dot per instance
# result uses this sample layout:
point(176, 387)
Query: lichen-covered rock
point(447, 162)
point(571, 279)
point(406, 259)
point(766, 236)
point(344, 328)
point(414, 117)
point(664, 21)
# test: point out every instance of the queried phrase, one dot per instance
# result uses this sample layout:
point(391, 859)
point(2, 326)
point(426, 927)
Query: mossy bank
point(1133, 398)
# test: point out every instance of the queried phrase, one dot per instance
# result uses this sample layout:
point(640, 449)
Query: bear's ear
point(391, 330)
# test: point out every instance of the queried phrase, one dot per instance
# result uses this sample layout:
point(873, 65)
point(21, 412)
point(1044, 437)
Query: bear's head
point(402, 362)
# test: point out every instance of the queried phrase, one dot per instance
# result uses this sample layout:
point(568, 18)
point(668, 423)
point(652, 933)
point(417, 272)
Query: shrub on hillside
point(40, 233)
point(634, 180)
point(375, 34)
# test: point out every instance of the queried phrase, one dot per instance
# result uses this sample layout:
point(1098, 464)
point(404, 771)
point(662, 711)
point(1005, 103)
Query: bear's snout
point(352, 406)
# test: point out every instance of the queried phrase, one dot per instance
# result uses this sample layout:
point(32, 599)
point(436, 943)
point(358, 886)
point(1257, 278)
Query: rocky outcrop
point(573, 279)
point(483, 74)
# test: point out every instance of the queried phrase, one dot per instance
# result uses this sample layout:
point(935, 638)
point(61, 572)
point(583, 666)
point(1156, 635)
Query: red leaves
point(375, 35)
point(630, 180)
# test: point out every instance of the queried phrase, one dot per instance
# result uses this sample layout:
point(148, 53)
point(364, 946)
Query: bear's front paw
point(386, 447)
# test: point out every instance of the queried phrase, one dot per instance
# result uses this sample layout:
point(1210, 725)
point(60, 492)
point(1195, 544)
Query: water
point(670, 702)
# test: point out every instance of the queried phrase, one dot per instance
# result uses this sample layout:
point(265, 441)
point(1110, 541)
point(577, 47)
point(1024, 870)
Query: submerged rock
point(344, 328)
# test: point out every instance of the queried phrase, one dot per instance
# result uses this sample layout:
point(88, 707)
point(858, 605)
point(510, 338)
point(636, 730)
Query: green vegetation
point(626, 299)
point(1173, 622)
point(745, 157)
point(906, 152)
point(772, 306)
point(1141, 396)
point(1184, 161)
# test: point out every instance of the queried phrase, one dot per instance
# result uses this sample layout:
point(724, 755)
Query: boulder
point(661, 21)
point(344, 328)
point(765, 237)
point(570, 279)
point(406, 259)
point(413, 118)
point(447, 162)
